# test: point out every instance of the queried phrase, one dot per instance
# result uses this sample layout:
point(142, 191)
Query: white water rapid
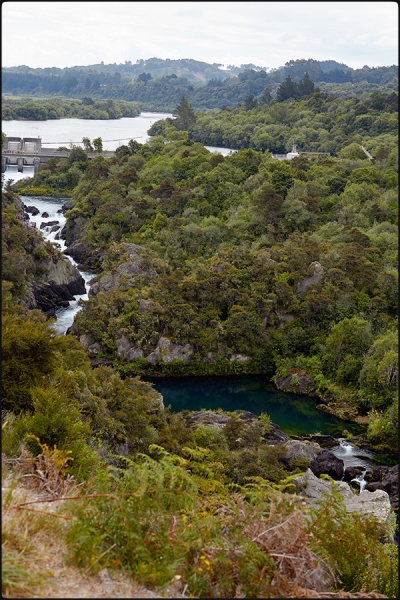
point(355, 457)
point(52, 206)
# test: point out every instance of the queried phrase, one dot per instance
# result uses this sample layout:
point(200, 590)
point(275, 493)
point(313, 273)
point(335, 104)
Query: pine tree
point(184, 114)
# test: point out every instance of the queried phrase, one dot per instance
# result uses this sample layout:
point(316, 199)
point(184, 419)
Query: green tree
point(250, 102)
point(287, 89)
point(378, 377)
point(345, 348)
point(184, 114)
point(306, 86)
point(98, 145)
point(266, 96)
point(87, 144)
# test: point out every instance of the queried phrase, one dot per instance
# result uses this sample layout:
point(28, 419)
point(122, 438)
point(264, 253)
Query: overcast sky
point(267, 34)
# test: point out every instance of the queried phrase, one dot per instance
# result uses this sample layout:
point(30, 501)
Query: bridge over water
point(23, 152)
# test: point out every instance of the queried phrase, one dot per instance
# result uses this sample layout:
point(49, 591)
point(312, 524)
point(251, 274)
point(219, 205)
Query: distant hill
point(159, 84)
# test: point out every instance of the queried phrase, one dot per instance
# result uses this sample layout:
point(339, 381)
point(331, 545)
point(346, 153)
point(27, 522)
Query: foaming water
point(52, 206)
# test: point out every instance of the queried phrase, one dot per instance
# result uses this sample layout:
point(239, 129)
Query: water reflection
point(296, 415)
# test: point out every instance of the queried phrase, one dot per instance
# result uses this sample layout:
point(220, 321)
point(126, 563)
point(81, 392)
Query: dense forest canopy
point(157, 84)
point(28, 109)
point(291, 264)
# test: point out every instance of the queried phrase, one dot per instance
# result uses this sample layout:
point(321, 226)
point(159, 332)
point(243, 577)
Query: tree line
point(57, 108)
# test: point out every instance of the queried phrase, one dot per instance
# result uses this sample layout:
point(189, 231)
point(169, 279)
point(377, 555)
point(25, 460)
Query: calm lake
point(114, 132)
point(295, 415)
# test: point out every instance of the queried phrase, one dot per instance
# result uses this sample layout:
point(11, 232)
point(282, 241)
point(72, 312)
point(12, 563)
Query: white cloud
point(264, 33)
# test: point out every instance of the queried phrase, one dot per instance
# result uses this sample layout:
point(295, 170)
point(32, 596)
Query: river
point(113, 132)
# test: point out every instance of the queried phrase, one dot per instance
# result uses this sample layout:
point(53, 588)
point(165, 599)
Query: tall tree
point(306, 85)
point(98, 144)
point(287, 89)
point(184, 114)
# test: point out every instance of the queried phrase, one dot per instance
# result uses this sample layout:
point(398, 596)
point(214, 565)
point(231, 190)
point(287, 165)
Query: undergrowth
point(159, 518)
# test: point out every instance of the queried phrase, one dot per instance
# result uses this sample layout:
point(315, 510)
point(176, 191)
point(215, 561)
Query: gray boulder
point(89, 344)
point(316, 274)
point(45, 224)
point(31, 210)
point(166, 351)
point(297, 449)
point(126, 272)
point(296, 383)
point(387, 479)
point(240, 358)
point(126, 349)
point(312, 489)
point(326, 462)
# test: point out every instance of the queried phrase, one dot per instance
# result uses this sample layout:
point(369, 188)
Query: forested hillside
point(158, 85)
point(246, 263)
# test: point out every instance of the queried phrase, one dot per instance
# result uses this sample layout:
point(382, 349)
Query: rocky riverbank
point(313, 454)
point(57, 280)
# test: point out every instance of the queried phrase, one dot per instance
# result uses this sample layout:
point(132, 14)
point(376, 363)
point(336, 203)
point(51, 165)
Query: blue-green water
point(295, 415)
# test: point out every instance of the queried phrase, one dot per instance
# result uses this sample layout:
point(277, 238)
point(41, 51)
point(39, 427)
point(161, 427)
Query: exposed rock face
point(90, 345)
point(126, 349)
point(387, 479)
point(73, 234)
point(146, 305)
point(45, 215)
point(297, 383)
point(275, 436)
point(325, 441)
point(127, 271)
point(311, 489)
point(342, 410)
point(58, 287)
point(326, 462)
point(166, 351)
point(316, 277)
point(98, 362)
point(241, 358)
point(209, 417)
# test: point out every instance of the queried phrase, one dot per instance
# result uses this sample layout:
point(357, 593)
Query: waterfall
point(360, 480)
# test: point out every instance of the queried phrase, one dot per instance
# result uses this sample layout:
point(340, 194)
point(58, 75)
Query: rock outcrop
point(166, 351)
point(325, 441)
point(31, 210)
point(90, 345)
point(387, 479)
point(127, 350)
point(273, 437)
point(126, 272)
point(296, 383)
point(61, 282)
point(312, 489)
point(326, 462)
point(316, 274)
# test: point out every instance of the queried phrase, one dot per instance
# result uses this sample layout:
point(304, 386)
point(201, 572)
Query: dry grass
point(34, 555)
